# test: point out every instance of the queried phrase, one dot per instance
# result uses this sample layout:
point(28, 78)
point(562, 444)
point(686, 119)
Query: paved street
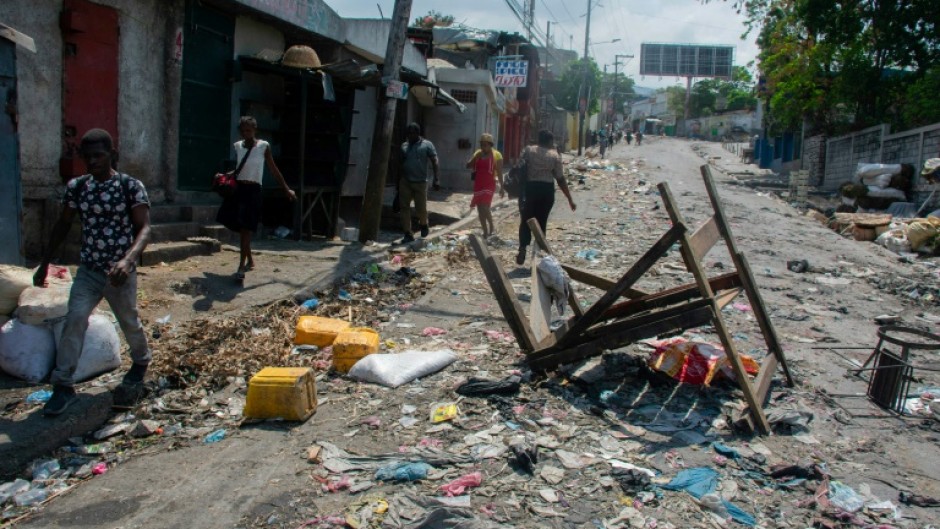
point(259, 474)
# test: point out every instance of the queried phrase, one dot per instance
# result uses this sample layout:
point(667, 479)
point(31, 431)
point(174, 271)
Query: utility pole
point(371, 215)
point(531, 24)
point(548, 34)
point(583, 108)
point(617, 78)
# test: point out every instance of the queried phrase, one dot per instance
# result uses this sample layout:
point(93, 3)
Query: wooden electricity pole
point(371, 216)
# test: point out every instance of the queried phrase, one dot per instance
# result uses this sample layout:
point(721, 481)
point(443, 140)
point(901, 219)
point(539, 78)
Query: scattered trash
point(695, 362)
point(480, 387)
point(525, 456)
point(433, 331)
point(798, 266)
point(702, 481)
point(443, 412)
point(403, 471)
point(215, 436)
point(589, 255)
point(311, 304)
point(344, 295)
point(461, 484)
point(843, 497)
point(39, 396)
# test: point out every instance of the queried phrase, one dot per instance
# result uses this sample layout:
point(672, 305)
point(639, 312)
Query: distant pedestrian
point(413, 185)
point(487, 165)
point(602, 142)
point(629, 137)
point(241, 212)
point(639, 137)
point(544, 168)
point(115, 216)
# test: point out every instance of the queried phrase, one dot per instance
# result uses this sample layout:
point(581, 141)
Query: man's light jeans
point(88, 288)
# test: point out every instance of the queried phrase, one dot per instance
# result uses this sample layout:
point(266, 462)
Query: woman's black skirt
point(242, 210)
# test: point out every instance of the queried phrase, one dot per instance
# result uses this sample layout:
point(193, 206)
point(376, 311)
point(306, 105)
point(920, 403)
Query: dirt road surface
point(259, 476)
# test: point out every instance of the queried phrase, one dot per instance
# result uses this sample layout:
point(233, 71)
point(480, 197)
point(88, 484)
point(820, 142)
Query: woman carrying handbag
point(241, 210)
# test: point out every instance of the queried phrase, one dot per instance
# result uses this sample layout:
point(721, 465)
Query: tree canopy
point(576, 82)
point(848, 64)
point(710, 96)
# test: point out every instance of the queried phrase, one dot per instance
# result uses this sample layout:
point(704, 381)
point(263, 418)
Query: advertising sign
point(511, 73)
point(397, 89)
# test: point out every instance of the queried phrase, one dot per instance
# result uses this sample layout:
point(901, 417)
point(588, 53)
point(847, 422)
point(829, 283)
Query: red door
point(89, 77)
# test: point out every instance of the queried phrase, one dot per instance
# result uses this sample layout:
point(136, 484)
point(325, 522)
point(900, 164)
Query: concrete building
point(170, 78)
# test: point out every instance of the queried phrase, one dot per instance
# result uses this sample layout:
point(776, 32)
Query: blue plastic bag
point(403, 471)
point(701, 481)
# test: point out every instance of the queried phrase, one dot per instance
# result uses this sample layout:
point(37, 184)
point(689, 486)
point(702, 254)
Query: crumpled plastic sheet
point(409, 511)
point(461, 484)
point(481, 387)
point(701, 481)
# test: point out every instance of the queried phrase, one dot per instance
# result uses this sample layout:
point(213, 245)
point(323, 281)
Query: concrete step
point(168, 252)
point(173, 231)
point(161, 213)
point(202, 213)
point(219, 233)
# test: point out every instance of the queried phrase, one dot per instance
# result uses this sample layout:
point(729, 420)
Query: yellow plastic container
point(288, 393)
point(352, 345)
point(314, 330)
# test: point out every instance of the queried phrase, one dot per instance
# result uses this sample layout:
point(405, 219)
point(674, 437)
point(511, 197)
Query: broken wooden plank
point(505, 295)
point(548, 359)
point(671, 296)
point(583, 276)
point(704, 238)
point(636, 271)
point(724, 297)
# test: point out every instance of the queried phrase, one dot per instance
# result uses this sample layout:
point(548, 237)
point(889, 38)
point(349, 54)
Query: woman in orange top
point(487, 164)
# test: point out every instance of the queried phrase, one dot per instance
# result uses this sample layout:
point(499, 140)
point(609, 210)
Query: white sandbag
point(885, 192)
point(872, 170)
point(881, 180)
point(393, 370)
point(13, 281)
point(26, 351)
point(38, 305)
point(101, 350)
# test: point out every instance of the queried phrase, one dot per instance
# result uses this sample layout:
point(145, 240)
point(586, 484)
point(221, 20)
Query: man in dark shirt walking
point(115, 215)
point(416, 153)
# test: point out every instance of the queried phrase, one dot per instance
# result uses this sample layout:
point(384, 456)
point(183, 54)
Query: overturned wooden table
point(625, 315)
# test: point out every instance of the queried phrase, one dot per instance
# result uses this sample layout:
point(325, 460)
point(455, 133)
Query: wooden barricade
point(625, 314)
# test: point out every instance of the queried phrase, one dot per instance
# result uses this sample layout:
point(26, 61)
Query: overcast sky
point(632, 21)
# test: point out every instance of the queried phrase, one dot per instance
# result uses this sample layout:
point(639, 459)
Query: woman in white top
point(242, 211)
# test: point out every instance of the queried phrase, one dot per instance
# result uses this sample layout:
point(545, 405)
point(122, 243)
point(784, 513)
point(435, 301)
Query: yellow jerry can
point(352, 345)
point(318, 331)
point(288, 393)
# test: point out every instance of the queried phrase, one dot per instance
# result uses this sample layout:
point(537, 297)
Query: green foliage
point(432, 19)
point(581, 77)
point(847, 64)
point(710, 96)
point(923, 99)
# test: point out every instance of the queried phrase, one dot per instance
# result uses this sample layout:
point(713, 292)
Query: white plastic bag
point(26, 351)
point(894, 240)
point(101, 351)
point(38, 305)
point(13, 281)
point(556, 281)
point(886, 192)
point(393, 370)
